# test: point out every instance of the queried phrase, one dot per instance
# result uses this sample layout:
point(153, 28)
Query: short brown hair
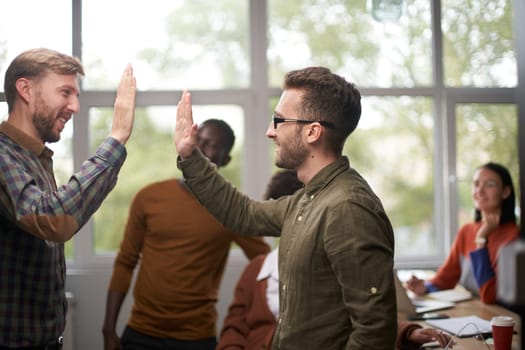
point(35, 63)
point(327, 97)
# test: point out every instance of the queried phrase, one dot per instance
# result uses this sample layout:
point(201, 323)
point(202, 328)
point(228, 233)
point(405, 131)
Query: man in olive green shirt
point(337, 246)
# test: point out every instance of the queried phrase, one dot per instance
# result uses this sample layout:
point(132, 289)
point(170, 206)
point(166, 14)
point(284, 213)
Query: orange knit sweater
point(182, 251)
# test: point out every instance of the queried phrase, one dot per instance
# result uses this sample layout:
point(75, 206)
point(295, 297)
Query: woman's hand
point(416, 285)
point(489, 223)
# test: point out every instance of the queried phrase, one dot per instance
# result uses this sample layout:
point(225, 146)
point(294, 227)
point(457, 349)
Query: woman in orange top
point(474, 255)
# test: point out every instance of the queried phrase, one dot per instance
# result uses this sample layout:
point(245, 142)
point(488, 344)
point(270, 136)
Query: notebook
point(416, 305)
point(465, 326)
point(457, 294)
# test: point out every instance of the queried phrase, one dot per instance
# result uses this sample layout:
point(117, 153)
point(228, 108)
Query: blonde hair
point(36, 63)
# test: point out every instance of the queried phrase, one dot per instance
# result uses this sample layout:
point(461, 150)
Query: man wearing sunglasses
point(337, 246)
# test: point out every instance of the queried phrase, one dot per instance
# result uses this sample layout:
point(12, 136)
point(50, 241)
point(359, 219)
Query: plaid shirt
point(36, 218)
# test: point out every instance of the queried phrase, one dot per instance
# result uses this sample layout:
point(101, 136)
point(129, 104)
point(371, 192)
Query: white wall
point(89, 288)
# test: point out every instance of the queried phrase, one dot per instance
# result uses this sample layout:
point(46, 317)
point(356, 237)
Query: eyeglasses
point(277, 120)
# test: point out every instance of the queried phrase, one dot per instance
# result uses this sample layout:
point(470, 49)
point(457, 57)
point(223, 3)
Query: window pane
point(393, 148)
point(344, 36)
point(63, 155)
point(478, 43)
point(23, 26)
point(171, 44)
point(151, 157)
point(484, 132)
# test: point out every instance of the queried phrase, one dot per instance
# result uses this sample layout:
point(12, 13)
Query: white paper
point(462, 326)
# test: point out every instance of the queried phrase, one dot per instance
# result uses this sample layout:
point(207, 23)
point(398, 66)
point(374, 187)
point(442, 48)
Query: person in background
point(36, 217)
point(337, 244)
point(182, 251)
point(410, 336)
point(253, 313)
point(473, 259)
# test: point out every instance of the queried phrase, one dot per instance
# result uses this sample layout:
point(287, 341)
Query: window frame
point(254, 102)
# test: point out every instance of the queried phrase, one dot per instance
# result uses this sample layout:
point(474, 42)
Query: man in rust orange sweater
point(182, 251)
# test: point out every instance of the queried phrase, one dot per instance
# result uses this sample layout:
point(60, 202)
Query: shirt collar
point(20, 137)
point(326, 175)
point(269, 267)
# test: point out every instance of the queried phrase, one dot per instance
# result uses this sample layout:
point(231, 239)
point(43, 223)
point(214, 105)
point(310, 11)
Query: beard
point(291, 154)
point(44, 120)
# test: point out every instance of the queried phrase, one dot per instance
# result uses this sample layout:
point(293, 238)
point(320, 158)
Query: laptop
point(417, 305)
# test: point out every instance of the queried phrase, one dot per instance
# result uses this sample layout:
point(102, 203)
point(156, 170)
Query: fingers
point(185, 130)
point(184, 119)
point(128, 86)
point(416, 285)
point(442, 338)
point(184, 110)
point(413, 283)
point(124, 112)
point(127, 74)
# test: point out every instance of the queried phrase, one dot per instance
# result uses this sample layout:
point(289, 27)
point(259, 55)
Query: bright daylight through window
point(419, 139)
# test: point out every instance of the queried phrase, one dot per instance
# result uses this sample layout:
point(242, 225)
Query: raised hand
point(489, 222)
point(416, 285)
point(124, 113)
point(185, 134)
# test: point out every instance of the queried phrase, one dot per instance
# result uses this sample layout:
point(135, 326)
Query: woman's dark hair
point(509, 203)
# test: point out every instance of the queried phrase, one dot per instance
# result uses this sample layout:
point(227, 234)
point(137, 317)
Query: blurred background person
point(183, 252)
point(253, 313)
point(473, 258)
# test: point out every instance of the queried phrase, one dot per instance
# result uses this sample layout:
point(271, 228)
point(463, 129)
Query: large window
point(391, 129)
point(438, 81)
point(478, 44)
point(173, 44)
point(344, 36)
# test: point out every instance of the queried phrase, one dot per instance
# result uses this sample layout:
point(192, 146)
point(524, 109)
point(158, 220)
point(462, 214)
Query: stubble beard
point(292, 154)
point(44, 122)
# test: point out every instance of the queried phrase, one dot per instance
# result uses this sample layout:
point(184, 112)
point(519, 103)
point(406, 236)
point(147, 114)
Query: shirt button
point(373, 290)
point(284, 287)
point(312, 196)
point(299, 218)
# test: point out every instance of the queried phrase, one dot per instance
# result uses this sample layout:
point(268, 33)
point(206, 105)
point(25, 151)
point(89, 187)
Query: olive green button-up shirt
point(335, 255)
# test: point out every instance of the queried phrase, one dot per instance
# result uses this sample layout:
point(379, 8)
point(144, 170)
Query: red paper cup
point(502, 329)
